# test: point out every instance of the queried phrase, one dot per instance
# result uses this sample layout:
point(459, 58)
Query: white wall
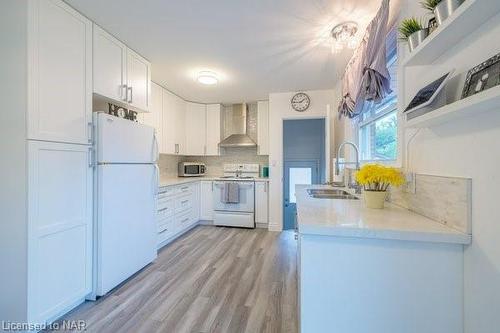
point(469, 148)
point(13, 225)
point(464, 148)
point(280, 109)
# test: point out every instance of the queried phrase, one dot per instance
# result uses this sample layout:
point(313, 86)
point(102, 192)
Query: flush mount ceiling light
point(344, 36)
point(207, 77)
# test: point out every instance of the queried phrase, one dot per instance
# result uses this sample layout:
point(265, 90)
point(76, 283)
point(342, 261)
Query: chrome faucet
point(350, 184)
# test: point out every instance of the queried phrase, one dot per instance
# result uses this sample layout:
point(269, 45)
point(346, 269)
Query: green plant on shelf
point(430, 4)
point(408, 27)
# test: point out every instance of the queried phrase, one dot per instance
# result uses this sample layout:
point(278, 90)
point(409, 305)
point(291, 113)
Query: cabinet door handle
point(130, 100)
point(185, 201)
point(124, 92)
point(185, 220)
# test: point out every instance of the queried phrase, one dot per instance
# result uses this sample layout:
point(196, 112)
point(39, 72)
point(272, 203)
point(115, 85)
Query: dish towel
point(231, 193)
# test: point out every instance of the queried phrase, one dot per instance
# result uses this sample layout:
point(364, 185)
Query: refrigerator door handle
point(156, 150)
point(90, 126)
point(91, 157)
point(156, 185)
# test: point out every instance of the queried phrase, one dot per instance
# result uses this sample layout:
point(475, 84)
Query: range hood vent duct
point(236, 126)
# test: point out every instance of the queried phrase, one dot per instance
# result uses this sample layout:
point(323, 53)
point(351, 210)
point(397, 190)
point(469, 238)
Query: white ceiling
point(255, 46)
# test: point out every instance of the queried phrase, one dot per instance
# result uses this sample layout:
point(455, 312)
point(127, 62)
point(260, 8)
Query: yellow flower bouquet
point(376, 179)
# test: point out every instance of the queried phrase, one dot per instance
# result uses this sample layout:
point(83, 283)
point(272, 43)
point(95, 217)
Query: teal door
point(304, 161)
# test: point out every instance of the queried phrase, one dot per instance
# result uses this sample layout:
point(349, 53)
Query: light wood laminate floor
point(210, 280)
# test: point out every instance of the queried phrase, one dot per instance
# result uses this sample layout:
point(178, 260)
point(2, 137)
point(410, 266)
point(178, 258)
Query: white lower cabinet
point(59, 228)
point(178, 211)
point(180, 207)
point(261, 202)
point(206, 201)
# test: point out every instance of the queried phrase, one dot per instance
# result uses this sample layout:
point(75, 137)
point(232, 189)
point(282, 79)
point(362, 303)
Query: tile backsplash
point(446, 200)
point(168, 163)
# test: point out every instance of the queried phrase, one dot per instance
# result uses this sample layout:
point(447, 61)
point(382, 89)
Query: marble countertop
point(350, 218)
point(170, 181)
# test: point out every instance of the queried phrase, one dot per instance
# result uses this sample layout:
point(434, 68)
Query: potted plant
point(430, 5)
point(412, 31)
point(442, 9)
point(376, 179)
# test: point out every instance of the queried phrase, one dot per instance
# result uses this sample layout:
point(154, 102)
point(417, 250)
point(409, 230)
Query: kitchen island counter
point(350, 218)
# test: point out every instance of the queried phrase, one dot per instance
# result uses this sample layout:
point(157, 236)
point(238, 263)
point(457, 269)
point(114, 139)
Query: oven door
point(246, 194)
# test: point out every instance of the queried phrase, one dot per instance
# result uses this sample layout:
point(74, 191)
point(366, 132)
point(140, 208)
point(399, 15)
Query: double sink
point(331, 194)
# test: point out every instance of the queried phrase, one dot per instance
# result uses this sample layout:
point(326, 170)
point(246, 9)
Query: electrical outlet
point(410, 185)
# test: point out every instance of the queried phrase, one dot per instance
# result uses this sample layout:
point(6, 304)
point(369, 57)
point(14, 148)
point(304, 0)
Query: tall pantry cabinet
point(52, 270)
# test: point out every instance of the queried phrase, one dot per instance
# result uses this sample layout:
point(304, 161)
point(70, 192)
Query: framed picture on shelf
point(432, 25)
point(484, 76)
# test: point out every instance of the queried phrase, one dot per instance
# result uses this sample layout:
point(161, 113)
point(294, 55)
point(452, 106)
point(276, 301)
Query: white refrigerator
point(126, 187)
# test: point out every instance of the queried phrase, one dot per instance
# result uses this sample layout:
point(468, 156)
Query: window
point(378, 127)
point(297, 176)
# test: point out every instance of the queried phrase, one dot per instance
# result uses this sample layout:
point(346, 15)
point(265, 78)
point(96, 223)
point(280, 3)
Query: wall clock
point(300, 102)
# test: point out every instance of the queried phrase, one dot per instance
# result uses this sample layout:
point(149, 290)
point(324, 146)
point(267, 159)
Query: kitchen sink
point(331, 194)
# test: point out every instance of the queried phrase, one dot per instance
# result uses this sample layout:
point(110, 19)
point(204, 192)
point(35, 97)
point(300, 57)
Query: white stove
point(234, 196)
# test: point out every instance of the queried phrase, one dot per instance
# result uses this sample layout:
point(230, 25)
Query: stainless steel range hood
point(236, 128)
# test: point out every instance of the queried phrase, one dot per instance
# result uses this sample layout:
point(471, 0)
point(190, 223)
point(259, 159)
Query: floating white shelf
point(464, 21)
point(488, 100)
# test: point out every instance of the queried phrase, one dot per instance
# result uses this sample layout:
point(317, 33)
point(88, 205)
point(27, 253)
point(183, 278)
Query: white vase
point(416, 38)
point(375, 199)
point(445, 8)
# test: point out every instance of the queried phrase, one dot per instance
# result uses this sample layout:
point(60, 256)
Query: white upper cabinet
point(180, 124)
point(154, 117)
point(213, 129)
point(261, 202)
point(59, 73)
point(196, 128)
point(168, 117)
point(110, 66)
point(121, 74)
point(263, 127)
point(173, 124)
point(138, 81)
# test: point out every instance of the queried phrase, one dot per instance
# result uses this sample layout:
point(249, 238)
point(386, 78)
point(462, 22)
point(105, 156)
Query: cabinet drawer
point(184, 220)
point(166, 192)
point(166, 223)
point(166, 208)
point(164, 235)
point(184, 189)
point(183, 203)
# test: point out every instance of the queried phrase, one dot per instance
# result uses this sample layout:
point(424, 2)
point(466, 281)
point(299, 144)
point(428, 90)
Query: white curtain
point(366, 77)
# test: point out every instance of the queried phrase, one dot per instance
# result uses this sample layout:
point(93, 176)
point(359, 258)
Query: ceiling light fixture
point(207, 77)
point(343, 36)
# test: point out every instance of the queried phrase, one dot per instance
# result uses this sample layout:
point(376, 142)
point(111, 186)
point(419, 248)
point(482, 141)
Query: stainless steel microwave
point(191, 169)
